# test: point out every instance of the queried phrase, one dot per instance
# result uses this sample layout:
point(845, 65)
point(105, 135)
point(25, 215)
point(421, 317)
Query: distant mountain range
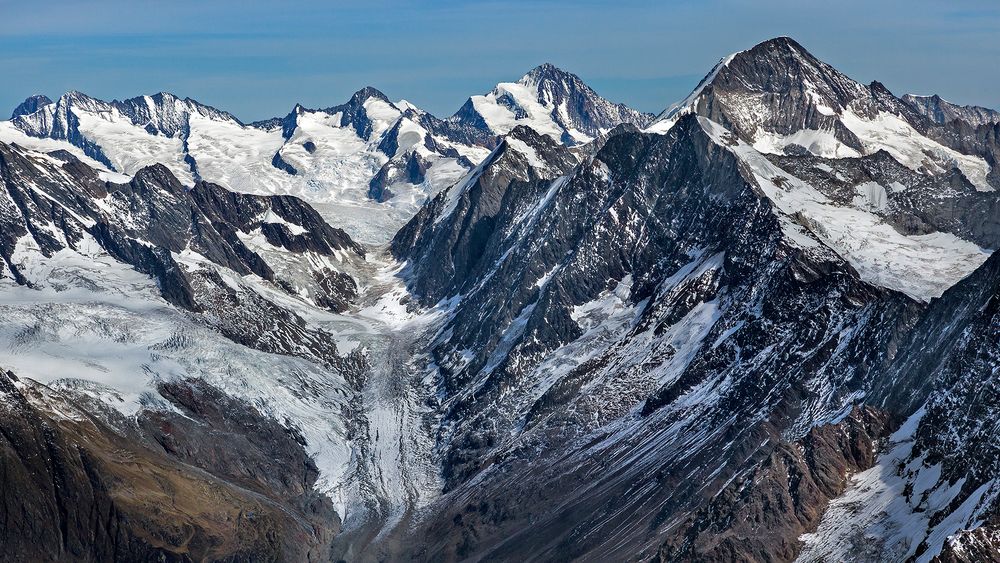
point(760, 326)
point(348, 157)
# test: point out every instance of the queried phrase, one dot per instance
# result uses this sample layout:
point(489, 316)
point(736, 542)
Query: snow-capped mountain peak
point(364, 94)
point(30, 105)
point(776, 68)
point(551, 101)
point(547, 76)
point(781, 99)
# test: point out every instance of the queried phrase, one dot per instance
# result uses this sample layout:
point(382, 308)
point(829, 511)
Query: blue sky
point(257, 59)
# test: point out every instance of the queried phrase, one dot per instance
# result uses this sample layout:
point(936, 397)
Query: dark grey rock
point(30, 105)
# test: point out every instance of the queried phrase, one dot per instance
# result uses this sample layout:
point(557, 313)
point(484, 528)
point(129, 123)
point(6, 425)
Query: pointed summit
point(31, 105)
point(782, 43)
point(366, 93)
point(553, 101)
point(355, 114)
point(791, 88)
point(781, 99)
point(550, 72)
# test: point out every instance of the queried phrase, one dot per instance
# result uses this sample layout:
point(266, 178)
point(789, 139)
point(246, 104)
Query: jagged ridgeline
point(760, 326)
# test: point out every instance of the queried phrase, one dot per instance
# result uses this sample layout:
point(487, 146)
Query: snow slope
point(921, 266)
point(782, 100)
point(344, 152)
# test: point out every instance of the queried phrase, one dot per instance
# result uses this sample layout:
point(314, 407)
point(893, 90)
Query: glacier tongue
point(94, 327)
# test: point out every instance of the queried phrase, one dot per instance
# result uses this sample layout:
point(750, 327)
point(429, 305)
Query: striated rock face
point(30, 105)
point(213, 481)
point(610, 362)
point(781, 99)
point(652, 353)
point(941, 112)
point(447, 240)
point(584, 111)
point(931, 492)
point(968, 546)
point(792, 90)
point(760, 516)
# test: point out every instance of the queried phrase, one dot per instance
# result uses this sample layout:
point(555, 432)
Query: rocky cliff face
point(626, 329)
point(630, 310)
point(153, 221)
point(782, 100)
point(760, 516)
point(212, 480)
point(551, 101)
point(30, 105)
point(941, 112)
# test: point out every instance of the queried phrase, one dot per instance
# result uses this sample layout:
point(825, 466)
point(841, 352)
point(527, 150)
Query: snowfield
point(921, 266)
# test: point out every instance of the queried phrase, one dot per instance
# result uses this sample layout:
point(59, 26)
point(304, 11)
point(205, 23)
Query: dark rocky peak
point(884, 100)
point(354, 114)
point(528, 135)
point(357, 101)
point(291, 121)
point(586, 110)
point(538, 154)
point(780, 66)
point(366, 93)
point(156, 177)
point(466, 125)
point(778, 87)
point(547, 75)
point(167, 114)
point(585, 151)
point(941, 111)
point(446, 241)
point(571, 103)
point(548, 70)
point(75, 98)
point(31, 105)
point(247, 212)
point(155, 215)
point(59, 121)
point(791, 90)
